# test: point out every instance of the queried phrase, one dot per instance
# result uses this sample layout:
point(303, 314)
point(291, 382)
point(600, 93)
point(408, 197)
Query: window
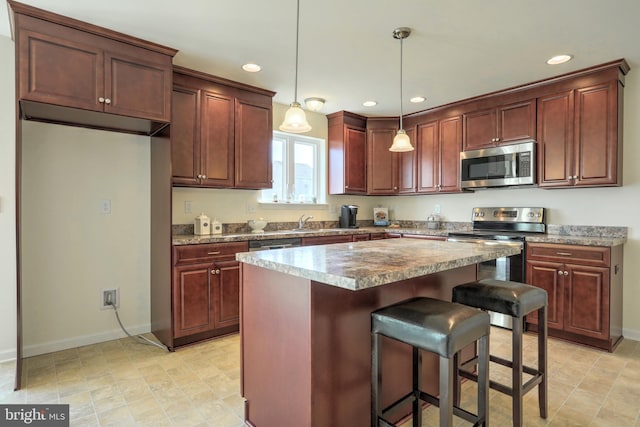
point(298, 167)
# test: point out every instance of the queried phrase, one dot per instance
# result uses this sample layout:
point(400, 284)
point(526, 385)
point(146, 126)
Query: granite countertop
point(362, 265)
point(587, 236)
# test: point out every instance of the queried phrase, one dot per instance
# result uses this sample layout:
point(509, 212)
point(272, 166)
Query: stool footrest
point(395, 406)
point(457, 411)
point(530, 384)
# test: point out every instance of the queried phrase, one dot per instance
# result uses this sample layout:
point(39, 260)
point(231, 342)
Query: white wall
point(7, 202)
point(70, 250)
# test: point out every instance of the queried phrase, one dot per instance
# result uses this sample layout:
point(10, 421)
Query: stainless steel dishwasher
point(268, 244)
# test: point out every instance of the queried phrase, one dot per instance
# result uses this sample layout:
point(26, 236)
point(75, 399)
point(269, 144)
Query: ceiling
point(457, 49)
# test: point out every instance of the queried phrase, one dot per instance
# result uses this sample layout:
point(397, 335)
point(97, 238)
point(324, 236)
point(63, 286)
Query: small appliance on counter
point(257, 225)
point(216, 227)
point(380, 216)
point(202, 225)
point(348, 216)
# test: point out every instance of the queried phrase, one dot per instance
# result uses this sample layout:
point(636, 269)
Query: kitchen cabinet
point(438, 146)
point(361, 237)
point(69, 70)
point(347, 153)
point(327, 240)
point(504, 124)
point(206, 289)
point(221, 133)
point(388, 172)
point(584, 288)
point(579, 133)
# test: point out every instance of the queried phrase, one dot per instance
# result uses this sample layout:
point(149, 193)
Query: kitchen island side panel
point(306, 347)
point(275, 347)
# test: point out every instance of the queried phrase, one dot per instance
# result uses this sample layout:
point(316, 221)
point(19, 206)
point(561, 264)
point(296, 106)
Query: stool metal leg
point(446, 392)
point(483, 380)
point(417, 406)
point(517, 372)
point(376, 379)
point(542, 361)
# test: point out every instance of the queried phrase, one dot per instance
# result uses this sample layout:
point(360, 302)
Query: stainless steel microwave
point(508, 165)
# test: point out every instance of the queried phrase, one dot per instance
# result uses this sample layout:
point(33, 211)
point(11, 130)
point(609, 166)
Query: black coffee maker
point(348, 216)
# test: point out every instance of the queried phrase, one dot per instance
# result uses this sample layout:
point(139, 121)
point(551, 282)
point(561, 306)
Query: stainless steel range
point(505, 225)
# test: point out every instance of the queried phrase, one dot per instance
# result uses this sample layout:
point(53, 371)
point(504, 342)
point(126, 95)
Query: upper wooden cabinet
point(221, 133)
point(438, 145)
point(347, 153)
point(579, 137)
point(64, 64)
point(388, 172)
point(504, 124)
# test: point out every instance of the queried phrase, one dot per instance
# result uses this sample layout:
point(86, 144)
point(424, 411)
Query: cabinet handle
point(395, 188)
point(107, 101)
point(346, 186)
point(213, 253)
point(564, 253)
point(566, 273)
point(101, 100)
point(559, 272)
point(218, 271)
point(215, 271)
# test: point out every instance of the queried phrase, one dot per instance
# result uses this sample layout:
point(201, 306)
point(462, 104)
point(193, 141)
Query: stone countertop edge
point(568, 239)
point(362, 265)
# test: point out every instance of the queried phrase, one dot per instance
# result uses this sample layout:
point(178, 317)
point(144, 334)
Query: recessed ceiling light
point(559, 59)
point(418, 99)
point(369, 103)
point(252, 68)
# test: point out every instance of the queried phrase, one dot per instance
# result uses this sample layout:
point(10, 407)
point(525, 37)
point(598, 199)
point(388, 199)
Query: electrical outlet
point(187, 206)
point(251, 208)
point(436, 210)
point(105, 206)
point(109, 297)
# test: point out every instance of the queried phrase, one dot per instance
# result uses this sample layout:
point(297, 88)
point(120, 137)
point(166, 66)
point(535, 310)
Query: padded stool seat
point(516, 300)
point(440, 327)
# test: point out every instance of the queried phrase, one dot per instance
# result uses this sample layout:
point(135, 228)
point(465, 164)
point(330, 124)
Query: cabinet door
point(193, 308)
point(517, 122)
point(326, 240)
point(135, 87)
point(555, 140)
point(361, 237)
point(596, 137)
point(355, 160)
point(407, 168)
point(480, 129)
point(382, 164)
point(586, 308)
point(253, 135)
point(216, 140)
point(60, 72)
point(548, 276)
point(450, 145)
point(427, 153)
point(185, 138)
point(226, 285)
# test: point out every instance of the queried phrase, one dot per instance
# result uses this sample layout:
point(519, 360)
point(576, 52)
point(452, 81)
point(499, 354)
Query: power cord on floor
point(138, 338)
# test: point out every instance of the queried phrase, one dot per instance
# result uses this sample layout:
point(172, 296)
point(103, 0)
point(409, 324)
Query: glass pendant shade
point(295, 120)
point(401, 142)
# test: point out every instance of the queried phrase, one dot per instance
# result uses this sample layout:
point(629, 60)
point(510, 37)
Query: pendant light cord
point(401, 40)
point(295, 89)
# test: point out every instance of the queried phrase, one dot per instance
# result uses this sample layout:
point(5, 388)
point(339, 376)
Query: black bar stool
point(514, 299)
point(440, 327)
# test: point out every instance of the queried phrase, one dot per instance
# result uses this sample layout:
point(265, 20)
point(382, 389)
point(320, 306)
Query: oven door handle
point(484, 241)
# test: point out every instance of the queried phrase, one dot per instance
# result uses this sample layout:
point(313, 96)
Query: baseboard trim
point(51, 346)
point(8, 355)
point(631, 334)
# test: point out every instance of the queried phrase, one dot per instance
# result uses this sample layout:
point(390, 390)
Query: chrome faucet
point(302, 221)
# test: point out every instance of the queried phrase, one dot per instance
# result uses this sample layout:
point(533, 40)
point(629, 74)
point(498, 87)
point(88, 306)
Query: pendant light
point(295, 120)
point(401, 141)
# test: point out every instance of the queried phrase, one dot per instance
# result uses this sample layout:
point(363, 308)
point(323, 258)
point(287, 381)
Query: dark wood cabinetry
point(584, 287)
point(504, 124)
point(69, 70)
point(347, 153)
point(388, 172)
point(206, 289)
point(221, 133)
point(438, 146)
point(579, 137)
point(327, 240)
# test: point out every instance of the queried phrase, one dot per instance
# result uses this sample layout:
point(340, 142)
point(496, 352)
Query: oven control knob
point(531, 214)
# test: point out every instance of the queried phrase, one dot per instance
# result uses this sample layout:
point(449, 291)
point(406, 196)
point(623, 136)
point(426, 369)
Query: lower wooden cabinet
point(206, 291)
point(584, 288)
point(327, 240)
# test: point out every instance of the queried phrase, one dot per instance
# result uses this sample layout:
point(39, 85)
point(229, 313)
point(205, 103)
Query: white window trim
point(320, 170)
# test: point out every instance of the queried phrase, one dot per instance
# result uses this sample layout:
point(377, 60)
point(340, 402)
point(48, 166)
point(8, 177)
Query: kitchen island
point(305, 324)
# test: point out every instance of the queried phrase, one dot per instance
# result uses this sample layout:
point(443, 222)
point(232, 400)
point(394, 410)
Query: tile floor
point(123, 383)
